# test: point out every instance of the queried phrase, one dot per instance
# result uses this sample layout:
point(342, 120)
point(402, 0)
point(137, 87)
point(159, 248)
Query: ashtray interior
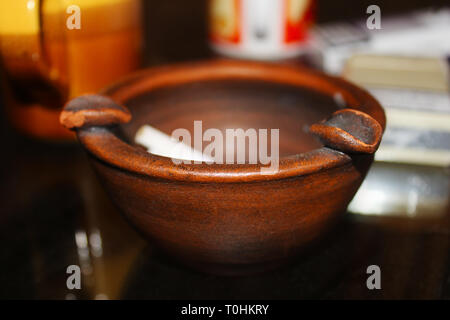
point(232, 104)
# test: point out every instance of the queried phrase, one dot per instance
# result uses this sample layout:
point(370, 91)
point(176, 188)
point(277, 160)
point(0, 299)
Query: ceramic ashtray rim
point(106, 146)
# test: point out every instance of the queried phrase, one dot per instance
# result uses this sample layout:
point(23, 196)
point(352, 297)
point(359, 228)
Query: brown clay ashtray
point(230, 218)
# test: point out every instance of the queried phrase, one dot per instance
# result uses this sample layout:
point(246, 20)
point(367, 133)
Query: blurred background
point(54, 213)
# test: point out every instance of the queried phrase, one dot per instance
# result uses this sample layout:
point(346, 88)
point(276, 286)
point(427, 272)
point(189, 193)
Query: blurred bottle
point(47, 59)
point(260, 29)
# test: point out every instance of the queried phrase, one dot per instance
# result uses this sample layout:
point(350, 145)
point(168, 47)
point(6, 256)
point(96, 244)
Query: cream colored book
point(398, 71)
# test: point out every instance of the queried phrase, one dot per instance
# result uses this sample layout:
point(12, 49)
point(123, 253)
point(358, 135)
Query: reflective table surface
point(54, 214)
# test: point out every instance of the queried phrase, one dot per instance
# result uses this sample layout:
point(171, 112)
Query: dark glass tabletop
point(55, 214)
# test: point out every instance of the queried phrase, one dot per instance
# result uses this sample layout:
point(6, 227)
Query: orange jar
point(53, 50)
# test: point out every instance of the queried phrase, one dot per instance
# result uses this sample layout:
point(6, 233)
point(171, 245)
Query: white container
point(260, 29)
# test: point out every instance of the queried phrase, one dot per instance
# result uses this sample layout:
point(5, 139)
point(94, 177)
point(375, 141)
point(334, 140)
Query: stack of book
point(405, 65)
